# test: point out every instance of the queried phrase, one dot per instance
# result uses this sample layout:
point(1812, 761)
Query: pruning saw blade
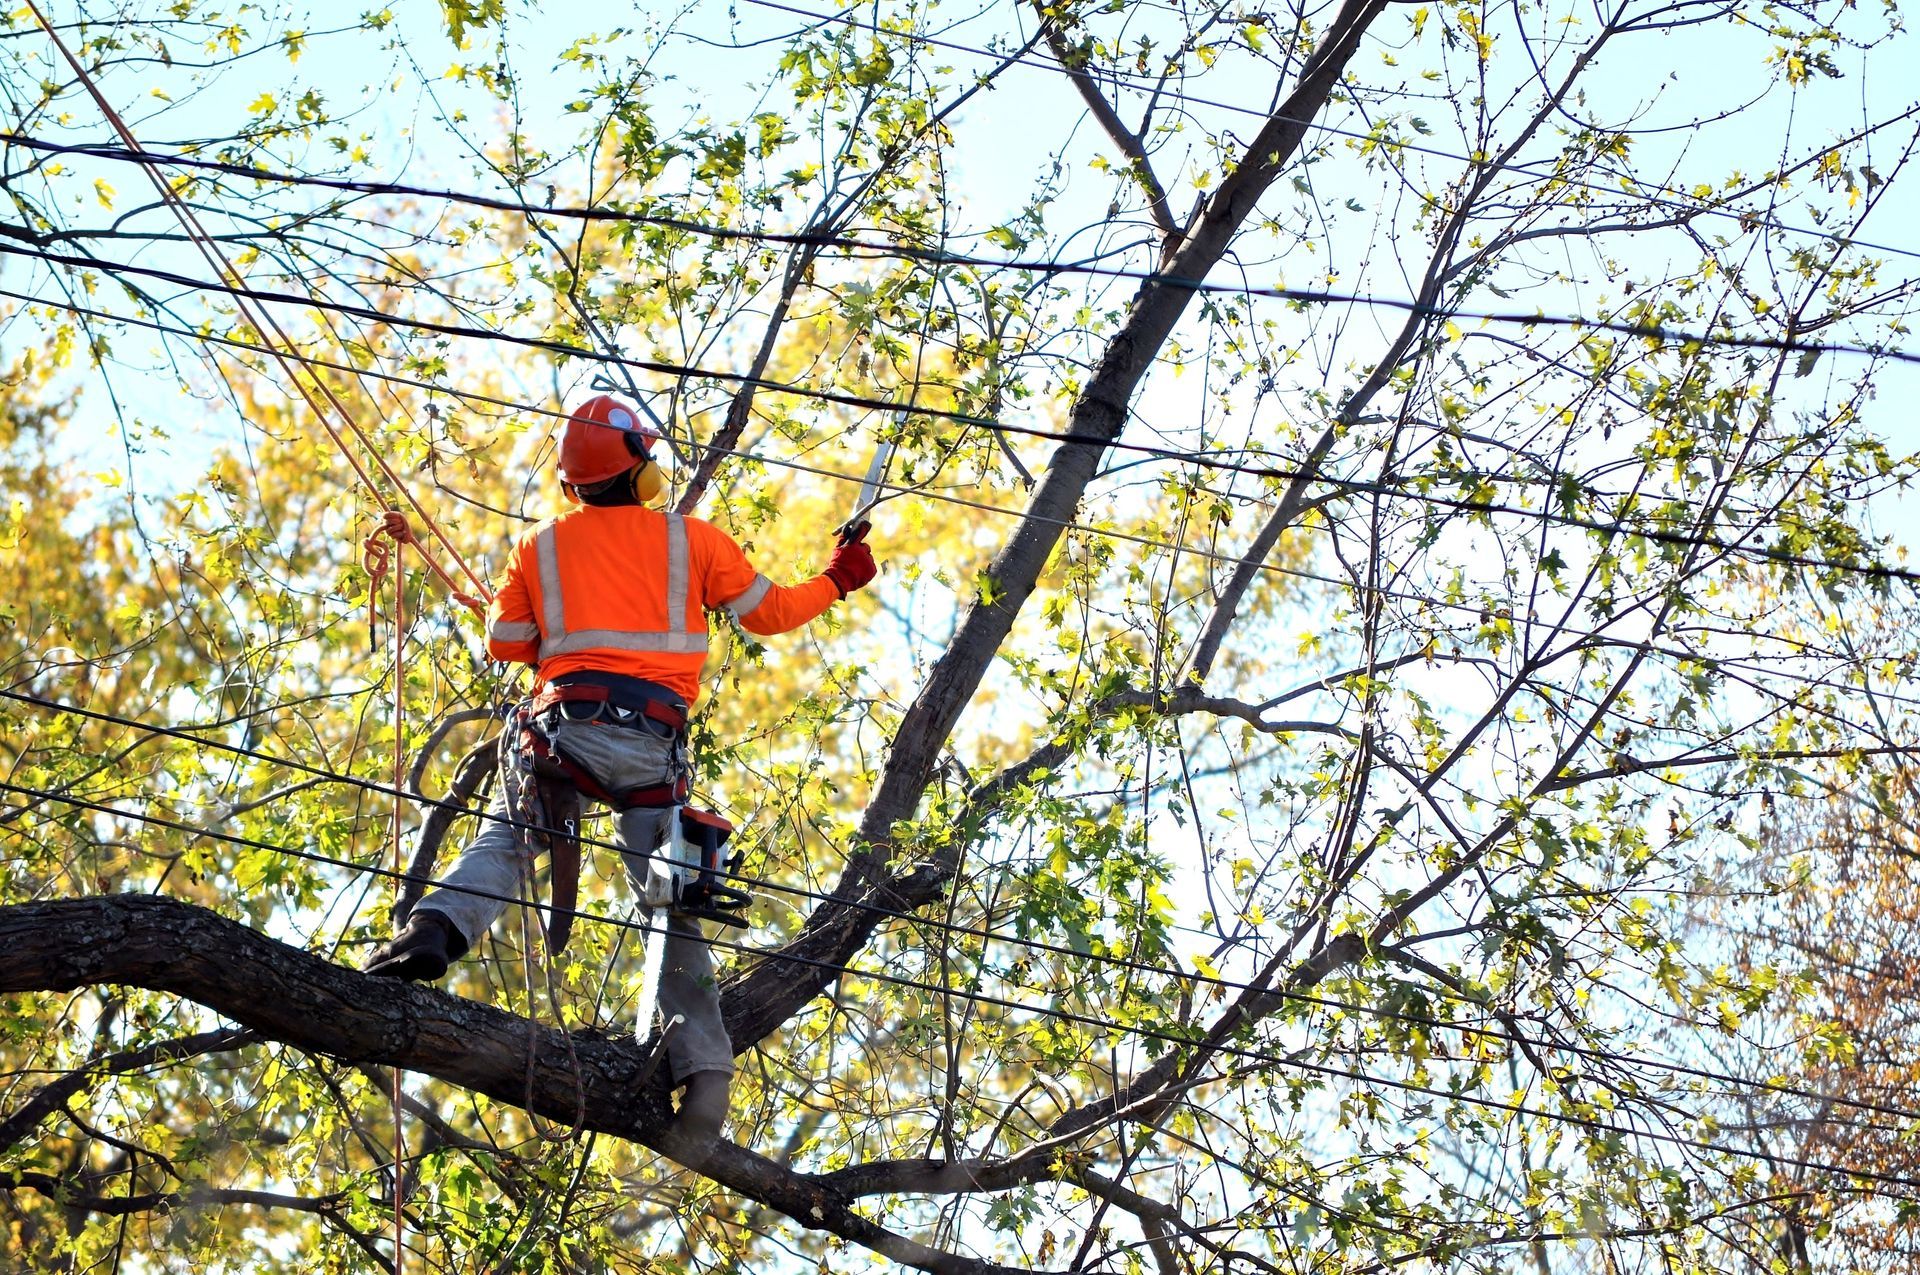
point(859, 523)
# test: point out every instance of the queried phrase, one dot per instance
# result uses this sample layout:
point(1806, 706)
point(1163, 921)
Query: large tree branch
point(295, 997)
point(773, 991)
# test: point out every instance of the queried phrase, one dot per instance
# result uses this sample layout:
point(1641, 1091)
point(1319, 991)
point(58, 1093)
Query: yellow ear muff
point(648, 481)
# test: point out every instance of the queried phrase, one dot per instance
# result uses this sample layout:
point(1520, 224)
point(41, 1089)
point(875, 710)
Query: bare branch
point(1075, 64)
point(55, 1095)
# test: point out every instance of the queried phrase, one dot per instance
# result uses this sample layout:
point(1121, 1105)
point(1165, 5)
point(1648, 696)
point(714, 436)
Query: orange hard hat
point(603, 439)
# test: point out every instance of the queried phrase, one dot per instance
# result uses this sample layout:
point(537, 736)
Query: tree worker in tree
point(608, 603)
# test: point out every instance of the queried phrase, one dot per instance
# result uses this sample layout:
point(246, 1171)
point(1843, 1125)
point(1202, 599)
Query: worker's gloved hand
point(851, 566)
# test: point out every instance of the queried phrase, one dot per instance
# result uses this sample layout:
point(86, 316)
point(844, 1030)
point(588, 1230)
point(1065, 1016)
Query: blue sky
point(718, 65)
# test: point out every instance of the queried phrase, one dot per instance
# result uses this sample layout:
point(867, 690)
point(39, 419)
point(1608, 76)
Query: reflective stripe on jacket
point(626, 590)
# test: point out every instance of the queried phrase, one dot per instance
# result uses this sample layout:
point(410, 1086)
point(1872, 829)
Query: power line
point(1066, 524)
point(1310, 296)
point(1054, 1012)
point(1663, 196)
point(897, 489)
point(1201, 460)
point(984, 935)
point(1178, 547)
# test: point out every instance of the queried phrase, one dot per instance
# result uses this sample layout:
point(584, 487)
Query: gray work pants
point(619, 757)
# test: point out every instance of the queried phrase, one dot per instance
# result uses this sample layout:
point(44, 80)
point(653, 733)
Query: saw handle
point(854, 530)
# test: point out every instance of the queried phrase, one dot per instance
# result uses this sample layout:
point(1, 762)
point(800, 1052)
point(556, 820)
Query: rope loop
point(377, 555)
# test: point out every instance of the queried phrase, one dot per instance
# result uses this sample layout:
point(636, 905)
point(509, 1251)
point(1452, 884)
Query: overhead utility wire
point(270, 330)
point(898, 489)
point(1663, 196)
point(190, 735)
point(937, 256)
point(685, 371)
point(1208, 555)
point(1203, 554)
point(1201, 460)
point(1044, 1011)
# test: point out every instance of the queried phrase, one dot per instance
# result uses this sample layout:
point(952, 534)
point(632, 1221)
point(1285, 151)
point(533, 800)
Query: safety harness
point(544, 786)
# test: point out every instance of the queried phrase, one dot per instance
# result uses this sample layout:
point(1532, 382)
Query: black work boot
point(422, 950)
point(703, 1105)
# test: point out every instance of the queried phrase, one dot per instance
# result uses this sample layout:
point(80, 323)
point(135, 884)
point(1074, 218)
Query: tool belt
point(611, 698)
point(544, 787)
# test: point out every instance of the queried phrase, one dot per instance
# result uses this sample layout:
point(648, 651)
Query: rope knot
point(394, 525)
point(377, 555)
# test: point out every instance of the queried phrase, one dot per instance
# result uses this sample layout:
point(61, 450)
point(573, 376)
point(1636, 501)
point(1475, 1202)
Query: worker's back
point(625, 589)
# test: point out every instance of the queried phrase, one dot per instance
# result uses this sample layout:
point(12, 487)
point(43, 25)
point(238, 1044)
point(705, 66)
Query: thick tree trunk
point(775, 989)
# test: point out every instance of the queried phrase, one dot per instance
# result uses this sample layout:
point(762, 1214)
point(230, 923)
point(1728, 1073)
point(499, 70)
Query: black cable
point(1177, 547)
point(980, 998)
point(983, 935)
point(1206, 554)
point(1309, 296)
point(897, 489)
point(1661, 196)
point(1873, 571)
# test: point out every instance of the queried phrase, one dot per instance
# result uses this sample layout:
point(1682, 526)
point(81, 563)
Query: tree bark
point(296, 998)
point(758, 1002)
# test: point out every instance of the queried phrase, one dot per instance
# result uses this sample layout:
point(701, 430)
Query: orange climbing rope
point(280, 346)
point(379, 549)
point(380, 546)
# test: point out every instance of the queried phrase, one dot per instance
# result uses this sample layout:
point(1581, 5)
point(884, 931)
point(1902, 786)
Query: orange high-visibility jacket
point(622, 589)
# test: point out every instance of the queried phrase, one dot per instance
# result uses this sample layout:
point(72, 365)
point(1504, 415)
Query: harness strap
point(649, 797)
point(669, 715)
point(560, 801)
point(558, 782)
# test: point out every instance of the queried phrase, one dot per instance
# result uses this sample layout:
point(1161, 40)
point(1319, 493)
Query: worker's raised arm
point(729, 583)
point(511, 631)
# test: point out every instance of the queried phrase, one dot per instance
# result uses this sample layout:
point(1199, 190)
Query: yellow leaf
point(262, 104)
point(103, 192)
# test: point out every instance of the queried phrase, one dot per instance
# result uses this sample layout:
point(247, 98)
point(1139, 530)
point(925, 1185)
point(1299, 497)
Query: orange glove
point(852, 566)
